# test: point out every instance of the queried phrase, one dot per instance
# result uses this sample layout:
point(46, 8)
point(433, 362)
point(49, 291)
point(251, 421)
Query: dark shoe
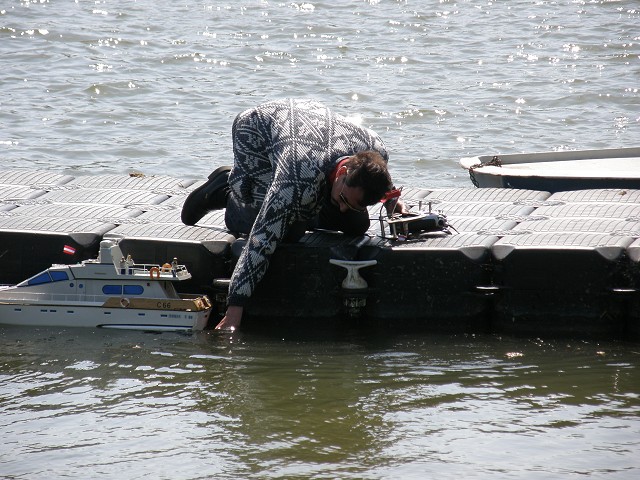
point(212, 195)
point(237, 246)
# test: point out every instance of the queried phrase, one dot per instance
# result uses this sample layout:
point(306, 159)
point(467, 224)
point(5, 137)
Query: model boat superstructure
point(109, 292)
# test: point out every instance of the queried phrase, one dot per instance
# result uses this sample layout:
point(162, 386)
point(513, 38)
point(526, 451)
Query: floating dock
point(519, 261)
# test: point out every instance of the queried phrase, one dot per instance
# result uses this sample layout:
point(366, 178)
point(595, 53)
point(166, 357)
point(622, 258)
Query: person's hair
point(368, 170)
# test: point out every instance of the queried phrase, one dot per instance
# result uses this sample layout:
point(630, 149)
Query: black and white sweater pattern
point(284, 152)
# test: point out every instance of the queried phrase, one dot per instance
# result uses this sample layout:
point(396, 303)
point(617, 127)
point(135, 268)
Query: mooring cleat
point(353, 280)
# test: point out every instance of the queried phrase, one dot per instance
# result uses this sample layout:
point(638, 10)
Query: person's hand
point(399, 207)
point(231, 320)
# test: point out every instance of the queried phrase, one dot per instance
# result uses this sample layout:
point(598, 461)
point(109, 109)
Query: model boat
point(108, 292)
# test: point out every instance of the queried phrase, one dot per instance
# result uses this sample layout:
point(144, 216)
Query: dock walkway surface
point(520, 261)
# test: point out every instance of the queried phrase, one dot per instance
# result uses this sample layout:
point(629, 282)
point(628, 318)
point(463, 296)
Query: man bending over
point(297, 166)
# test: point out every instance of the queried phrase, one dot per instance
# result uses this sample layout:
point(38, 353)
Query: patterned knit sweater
point(284, 152)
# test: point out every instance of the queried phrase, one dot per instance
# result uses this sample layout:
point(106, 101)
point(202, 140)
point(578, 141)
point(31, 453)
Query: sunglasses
point(346, 202)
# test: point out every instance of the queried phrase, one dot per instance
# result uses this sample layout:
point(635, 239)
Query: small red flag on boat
point(69, 250)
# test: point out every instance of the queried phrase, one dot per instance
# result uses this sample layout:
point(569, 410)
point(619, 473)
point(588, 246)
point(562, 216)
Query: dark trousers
point(239, 218)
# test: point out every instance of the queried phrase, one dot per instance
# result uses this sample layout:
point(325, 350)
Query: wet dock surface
point(519, 261)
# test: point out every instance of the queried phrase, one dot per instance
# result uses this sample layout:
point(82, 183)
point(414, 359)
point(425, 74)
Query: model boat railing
point(153, 270)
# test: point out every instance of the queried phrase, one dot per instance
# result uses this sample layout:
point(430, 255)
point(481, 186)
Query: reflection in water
point(362, 407)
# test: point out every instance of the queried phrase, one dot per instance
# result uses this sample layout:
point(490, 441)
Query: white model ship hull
point(105, 293)
point(163, 315)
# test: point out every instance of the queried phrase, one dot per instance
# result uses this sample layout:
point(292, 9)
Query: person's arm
point(274, 218)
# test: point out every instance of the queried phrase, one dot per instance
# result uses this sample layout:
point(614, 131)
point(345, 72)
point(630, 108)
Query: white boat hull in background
point(557, 171)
